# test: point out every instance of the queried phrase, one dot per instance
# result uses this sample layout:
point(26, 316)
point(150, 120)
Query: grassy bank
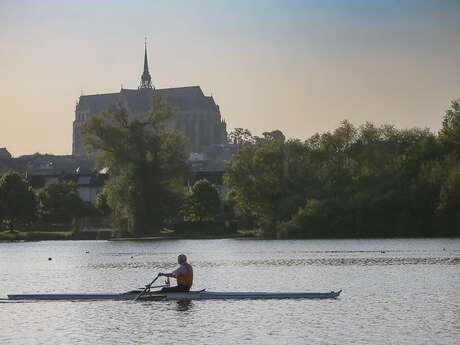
point(178, 237)
point(35, 235)
point(53, 235)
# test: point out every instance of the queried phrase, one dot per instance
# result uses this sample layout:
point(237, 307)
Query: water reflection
point(184, 305)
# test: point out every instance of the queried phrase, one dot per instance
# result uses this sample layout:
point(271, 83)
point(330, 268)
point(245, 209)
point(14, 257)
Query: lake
point(404, 291)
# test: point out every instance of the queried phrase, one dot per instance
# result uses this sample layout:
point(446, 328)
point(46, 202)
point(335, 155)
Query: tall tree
point(240, 136)
point(269, 181)
point(146, 162)
point(17, 200)
point(450, 131)
point(274, 135)
point(202, 202)
point(449, 196)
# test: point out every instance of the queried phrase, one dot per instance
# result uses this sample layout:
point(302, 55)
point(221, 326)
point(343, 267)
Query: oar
point(147, 287)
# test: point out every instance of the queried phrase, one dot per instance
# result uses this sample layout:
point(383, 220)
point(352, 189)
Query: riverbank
point(15, 235)
point(106, 234)
point(179, 237)
point(35, 235)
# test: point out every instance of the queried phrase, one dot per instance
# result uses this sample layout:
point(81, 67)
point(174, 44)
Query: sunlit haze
point(297, 66)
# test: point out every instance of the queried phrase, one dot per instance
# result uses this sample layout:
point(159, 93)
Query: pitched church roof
point(139, 101)
point(98, 103)
point(190, 97)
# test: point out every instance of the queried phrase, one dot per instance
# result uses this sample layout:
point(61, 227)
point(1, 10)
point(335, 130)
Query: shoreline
point(104, 235)
point(35, 236)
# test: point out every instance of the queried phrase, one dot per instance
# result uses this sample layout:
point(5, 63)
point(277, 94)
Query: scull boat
point(161, 296)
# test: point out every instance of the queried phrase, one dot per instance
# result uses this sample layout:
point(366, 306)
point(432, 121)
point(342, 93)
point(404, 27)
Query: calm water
point(394, 292)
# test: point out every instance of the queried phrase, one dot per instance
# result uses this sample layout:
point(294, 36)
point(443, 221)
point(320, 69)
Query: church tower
point(196, 115)
point(146, 79)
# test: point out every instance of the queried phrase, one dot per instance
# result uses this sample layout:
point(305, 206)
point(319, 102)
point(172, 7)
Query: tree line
point(145, 189)
point(20, 206)
point(367, 181)
point(59, 203)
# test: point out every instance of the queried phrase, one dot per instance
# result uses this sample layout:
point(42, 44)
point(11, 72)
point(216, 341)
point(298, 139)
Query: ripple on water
point(372, 261)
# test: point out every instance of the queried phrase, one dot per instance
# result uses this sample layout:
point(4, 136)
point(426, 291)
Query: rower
point(183, 275)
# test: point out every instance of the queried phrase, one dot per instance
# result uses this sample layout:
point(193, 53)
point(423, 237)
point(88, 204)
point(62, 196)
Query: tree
point(269, 181)
point(449, 196)
point(146, 163)
point(274, 135)
point(241, 136)
point(450, 131)
point(202, 202)
point(1, 206)
point(17, 200)
point(60, 202)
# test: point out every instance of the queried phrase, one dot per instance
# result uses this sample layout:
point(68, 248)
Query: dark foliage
point(353, 182)
point(17, 200)
point(146, 163)
point(202, 202)
point(60, 203)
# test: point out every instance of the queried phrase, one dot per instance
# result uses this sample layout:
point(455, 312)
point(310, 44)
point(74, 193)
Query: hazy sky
point(298, 66)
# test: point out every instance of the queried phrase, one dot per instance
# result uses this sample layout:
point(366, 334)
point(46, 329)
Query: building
point(197, 116)
point(88, 185)
point(48, 164)
point(4, 154)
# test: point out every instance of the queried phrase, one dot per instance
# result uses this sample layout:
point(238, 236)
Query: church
point(196, 116)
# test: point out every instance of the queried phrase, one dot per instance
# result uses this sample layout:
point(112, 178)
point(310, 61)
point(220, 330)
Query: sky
point(297, 66)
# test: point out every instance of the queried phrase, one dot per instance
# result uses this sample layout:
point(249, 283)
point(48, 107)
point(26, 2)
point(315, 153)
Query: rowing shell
point(192, 295)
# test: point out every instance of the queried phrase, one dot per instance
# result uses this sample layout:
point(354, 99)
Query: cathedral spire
point(146, 79)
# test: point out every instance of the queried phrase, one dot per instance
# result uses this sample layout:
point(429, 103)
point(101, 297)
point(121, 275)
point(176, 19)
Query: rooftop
point(138, 101)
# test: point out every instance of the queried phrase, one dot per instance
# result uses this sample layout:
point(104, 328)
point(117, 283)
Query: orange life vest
point(187, 278)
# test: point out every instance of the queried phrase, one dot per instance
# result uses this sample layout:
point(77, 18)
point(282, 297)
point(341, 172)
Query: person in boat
point(183, 275)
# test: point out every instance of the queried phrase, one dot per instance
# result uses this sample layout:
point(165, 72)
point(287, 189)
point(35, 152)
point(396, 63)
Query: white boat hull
point(192, 295)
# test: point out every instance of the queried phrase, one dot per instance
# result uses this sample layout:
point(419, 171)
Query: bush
point(60, 203)
point(17, 200)
point(202, 202)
